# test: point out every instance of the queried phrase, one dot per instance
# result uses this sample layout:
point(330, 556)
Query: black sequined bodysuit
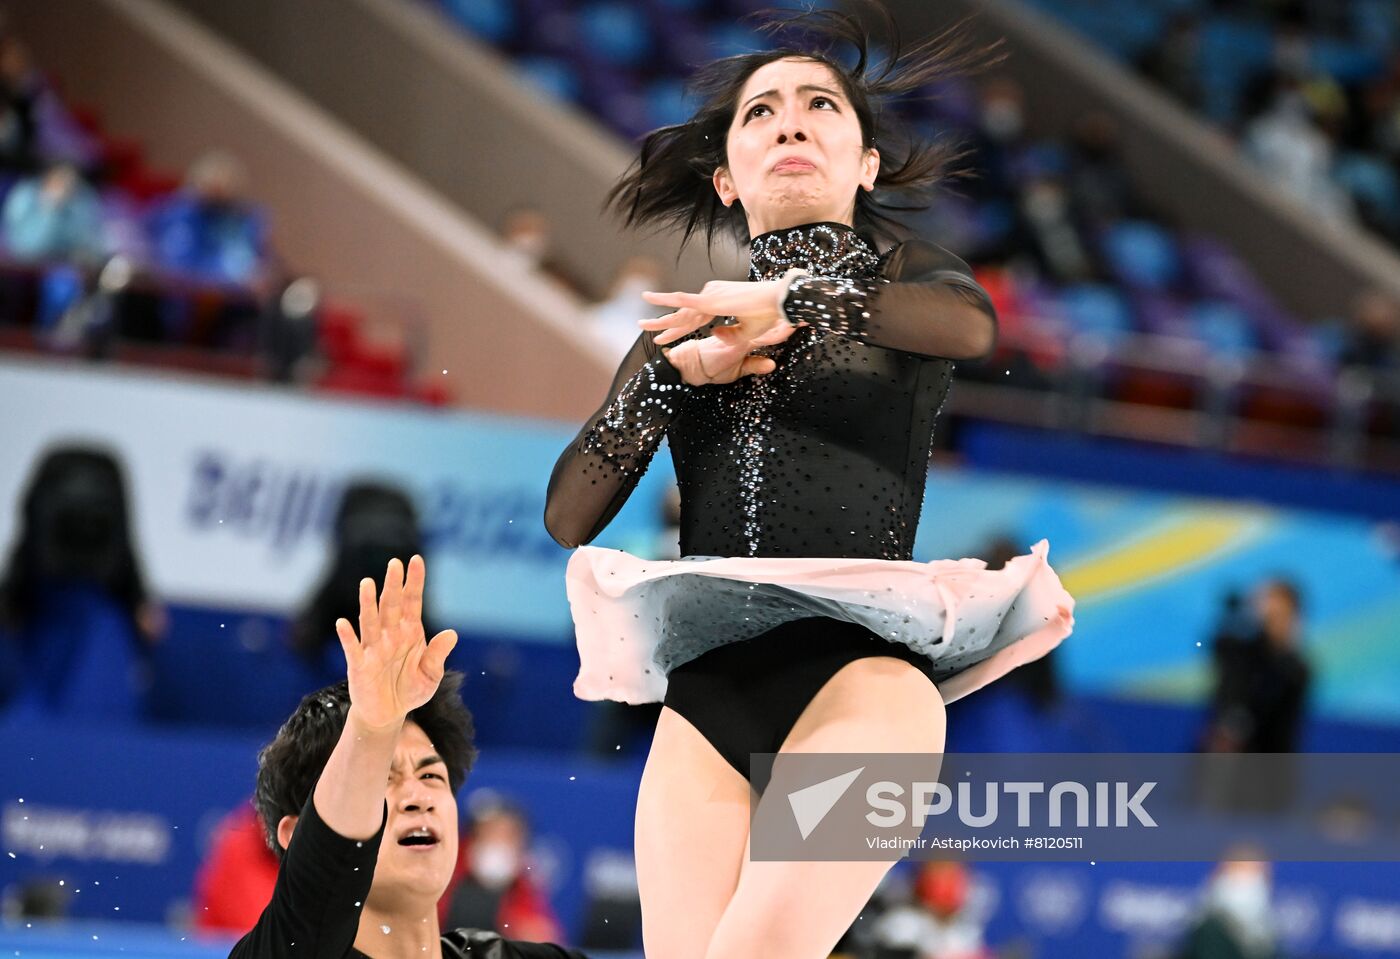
point(825, 456)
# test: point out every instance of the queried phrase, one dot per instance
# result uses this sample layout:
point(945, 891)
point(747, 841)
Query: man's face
point(419, 850)
point(1275, 610)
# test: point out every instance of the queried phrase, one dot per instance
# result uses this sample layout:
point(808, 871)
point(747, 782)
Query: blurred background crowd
point(260, 332)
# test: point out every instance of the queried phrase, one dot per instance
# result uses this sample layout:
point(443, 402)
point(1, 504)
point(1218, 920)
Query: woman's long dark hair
point(669, 184)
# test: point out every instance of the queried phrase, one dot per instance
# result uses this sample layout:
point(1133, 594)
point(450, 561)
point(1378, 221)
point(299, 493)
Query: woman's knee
point(794, 909)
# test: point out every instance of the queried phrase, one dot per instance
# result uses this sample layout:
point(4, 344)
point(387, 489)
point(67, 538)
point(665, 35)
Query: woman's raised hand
point(390, 669)
point(725, 355)
point(755, 305)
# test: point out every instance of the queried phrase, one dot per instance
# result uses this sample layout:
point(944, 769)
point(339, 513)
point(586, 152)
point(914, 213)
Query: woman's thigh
point(691, 829)
point(798, 910)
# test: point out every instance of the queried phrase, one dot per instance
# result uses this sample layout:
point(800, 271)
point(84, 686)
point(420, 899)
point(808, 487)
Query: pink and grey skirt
point(635, 619)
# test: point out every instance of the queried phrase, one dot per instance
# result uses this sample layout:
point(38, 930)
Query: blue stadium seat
point(1097, 310)
point(1330, 338)
point(1375, 23)
point(1231, 52)
point(1141, 254)
point(1345, 61)
point(666, 7)
point(615, 33)
point(552, 75)
point(1224, 328)
point(492, 20)
point(1372, 182)
point(732, 39)
point(666, 103)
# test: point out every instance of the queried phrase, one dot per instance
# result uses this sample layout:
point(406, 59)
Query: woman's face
point(795, 149)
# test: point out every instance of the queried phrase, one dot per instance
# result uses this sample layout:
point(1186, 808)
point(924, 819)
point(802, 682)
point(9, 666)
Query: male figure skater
point(357, 794)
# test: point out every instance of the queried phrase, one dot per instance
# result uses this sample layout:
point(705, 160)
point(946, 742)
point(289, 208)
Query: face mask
point(1044, 201)
point(531, 245)
point(495, 864)
point(1002, 120)
point(1245, 899)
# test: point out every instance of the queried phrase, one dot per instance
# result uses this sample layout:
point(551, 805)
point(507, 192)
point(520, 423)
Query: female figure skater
point(800, 423)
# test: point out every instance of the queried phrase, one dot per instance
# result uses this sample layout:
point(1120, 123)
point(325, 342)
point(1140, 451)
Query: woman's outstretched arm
point(598, 470)
point(926, 302)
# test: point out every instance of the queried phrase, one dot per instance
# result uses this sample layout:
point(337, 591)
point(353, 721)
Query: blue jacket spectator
point(207, 231)
point(56, 216)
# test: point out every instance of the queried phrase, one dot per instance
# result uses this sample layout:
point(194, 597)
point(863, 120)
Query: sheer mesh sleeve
point(926, 302)
point(600, 468)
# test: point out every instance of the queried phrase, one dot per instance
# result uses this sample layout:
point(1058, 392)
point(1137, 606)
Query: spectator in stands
point(997, 141)
point(939, 923)
point(235, 882)
point(55, 219)
point(37, 897)
point(1047, 229)
point(528, 235)
point(1261, 676)
point(614, 320)
point(364, 864)
point(1373, 339)
point(1101, 192)
point(1381, 106)
point(54, 216)
point(1235, 920)
point(1295, 154)
point(211, 241)
point(491, 887)
point(209, 231)
point(1371, 345)
point(289, 329)
point(19, 91)
point(76, 619)
point(1175, 63)
point(373, 523)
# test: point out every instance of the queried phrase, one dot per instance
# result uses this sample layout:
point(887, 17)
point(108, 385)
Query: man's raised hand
point(390, 669)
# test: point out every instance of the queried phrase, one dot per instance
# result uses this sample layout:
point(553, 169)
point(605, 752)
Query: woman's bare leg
point(798, 910)
point(692, 824)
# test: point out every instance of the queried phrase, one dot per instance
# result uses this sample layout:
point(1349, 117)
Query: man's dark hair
point(290, 765)
point(669, 183)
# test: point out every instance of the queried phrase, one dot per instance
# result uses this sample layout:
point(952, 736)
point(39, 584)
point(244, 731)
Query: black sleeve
point(485, 944)
point(320, 893)
point(926, 302)
point(600, 468)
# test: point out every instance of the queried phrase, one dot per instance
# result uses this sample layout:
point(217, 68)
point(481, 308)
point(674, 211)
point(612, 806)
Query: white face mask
point(530, 245)
point(1243, 899)
point(495, 864)
point(1002, 120)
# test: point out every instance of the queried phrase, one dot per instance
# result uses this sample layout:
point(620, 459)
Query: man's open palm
point(390, 669)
